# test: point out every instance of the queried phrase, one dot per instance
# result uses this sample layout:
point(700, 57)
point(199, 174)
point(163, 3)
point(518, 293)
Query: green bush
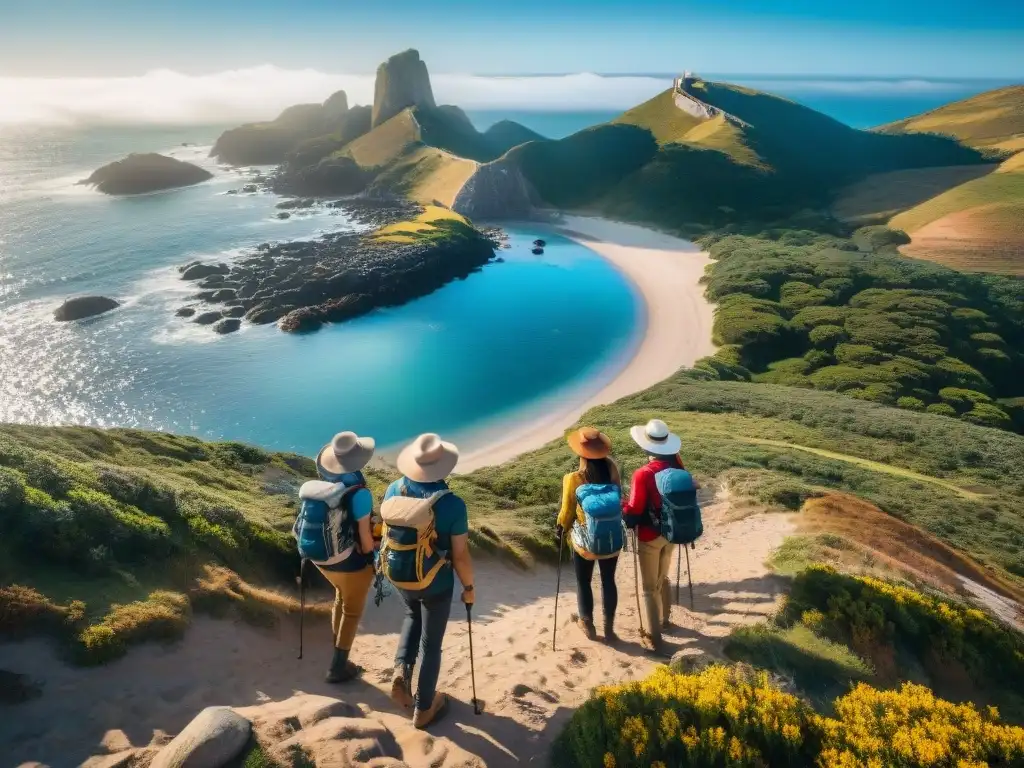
point(812, 317)
point(942, 409)
point(987, 415)
point(859, 354)
point(962, 399)
point(161, 616)
point(827, 336)
point(985, 339)
point(910, 403)
point(796, 295)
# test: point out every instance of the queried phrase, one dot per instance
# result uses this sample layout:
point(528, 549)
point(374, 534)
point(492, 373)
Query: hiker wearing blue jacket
point(341, 462)
point(591, 514)
point(425, 543)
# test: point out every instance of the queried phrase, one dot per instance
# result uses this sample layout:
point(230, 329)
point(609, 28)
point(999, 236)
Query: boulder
point(208, 318)
point(284, 215)
point(402, 81)
point(198, 271)
point(186, 312)
point(83, 306)
point(690, 660)
point(300, 320)
point(224, 294)
point(234, 312)
point(214, 737)
point(147, 172)
point(227, 325)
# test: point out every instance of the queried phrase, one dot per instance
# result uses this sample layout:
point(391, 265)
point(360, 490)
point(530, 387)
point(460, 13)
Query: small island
point(145, 172)
point(83, 306)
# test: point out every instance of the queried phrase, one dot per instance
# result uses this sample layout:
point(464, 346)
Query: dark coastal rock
point(197, 271)
point(186, 312)
point(213, 281)
point(284, 215)
point(402, 81)
point(298, 202)
point(251, 189)
point(331, 176)
point(208, 318)
point(537, 251)
point(302, 285)
point(539, 243)
point(149, 172)
point(227, 325)
point(83, 306)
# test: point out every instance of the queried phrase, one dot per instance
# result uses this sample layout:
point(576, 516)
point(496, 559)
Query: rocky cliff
point(496, 190)
point(402, 81)
point(149, 172)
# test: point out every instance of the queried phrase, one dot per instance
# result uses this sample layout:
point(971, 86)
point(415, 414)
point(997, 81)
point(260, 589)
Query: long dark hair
point(599, 471)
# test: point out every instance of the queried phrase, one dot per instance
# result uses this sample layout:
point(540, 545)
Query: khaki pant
point(350, 591)
point(655, 561)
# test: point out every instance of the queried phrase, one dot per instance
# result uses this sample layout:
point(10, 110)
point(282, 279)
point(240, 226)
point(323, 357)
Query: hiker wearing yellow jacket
point(597, 470)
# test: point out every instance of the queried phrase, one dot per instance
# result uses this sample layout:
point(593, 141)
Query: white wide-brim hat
point(654, 437)
point(346, 453)
point(427, 459)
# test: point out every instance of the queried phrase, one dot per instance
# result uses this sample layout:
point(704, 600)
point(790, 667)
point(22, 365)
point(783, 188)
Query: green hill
point(993, 120)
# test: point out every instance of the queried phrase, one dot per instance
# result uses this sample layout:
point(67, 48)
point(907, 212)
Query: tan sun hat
point(347, 452)
point(427, 459)
point(654, 437)
point(590, 443)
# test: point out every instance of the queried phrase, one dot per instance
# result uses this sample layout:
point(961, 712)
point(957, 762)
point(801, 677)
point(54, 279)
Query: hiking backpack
point(323, 528)
point(679, 519)
point(601, 531)
point(409, 557)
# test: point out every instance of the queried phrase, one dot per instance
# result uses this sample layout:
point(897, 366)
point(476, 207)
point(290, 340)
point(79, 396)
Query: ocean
point(479, 350)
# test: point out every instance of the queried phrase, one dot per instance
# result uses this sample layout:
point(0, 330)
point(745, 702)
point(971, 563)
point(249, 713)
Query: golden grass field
point(407, 231)
point(883, 195)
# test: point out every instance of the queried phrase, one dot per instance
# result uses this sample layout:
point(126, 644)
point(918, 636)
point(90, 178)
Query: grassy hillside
point(853, 316)
point(993, 120)
point(661, 117)
point(976, 226)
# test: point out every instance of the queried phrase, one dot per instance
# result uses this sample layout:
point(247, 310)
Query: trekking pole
point(477, 709)
point(558, 588)
point(302, 600)
point(636, 582)
point(679, 565)
point(689, 577)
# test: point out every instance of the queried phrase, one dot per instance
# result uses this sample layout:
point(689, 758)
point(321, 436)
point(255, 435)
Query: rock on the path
point(83, 306)
point(211, 740)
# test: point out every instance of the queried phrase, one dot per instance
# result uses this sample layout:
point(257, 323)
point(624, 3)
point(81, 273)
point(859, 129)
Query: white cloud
point(259, 93)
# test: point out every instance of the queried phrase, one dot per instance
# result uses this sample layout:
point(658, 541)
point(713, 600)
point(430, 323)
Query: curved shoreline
point(676, 331)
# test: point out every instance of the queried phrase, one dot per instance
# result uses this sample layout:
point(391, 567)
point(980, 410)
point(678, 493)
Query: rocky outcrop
point(270, 142)
point(147, 172)
point(83, 306)
point(330, 176)
point(227, 325)
point(302, 285)
point(402, 81)
point(496, 190)
point(196, 270)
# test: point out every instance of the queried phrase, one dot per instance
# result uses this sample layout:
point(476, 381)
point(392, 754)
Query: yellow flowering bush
point(874, 616)
point(732, 716)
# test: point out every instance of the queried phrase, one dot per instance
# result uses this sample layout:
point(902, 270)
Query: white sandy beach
point(665, 271)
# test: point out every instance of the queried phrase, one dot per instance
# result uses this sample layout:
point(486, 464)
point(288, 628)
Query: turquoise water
point(479, 348)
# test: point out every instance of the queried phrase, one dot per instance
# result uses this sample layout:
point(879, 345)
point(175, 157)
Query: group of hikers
point(418, 542)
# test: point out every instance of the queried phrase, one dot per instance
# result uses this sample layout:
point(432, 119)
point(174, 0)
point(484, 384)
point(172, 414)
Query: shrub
point(812, 317)
point(859, 354)
point(23, 609)
point(962, 399)
point(986, 339)
point(988, 415)
point(876, 393)
point(12, 495)
point(161, 616)
point(816, 358)
point(827, 336)
point(910, 403)
point(941, 409)
point(796, 295)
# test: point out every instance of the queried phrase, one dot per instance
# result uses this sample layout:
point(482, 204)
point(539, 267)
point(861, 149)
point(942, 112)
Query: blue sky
point(942, 38)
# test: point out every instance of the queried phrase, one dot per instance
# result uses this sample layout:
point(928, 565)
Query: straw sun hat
point(655, 438)
point(428, 459)
point(589, 443)
point(347, 452)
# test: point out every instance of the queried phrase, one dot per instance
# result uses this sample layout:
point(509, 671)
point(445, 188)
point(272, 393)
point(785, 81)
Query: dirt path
point(529, 689)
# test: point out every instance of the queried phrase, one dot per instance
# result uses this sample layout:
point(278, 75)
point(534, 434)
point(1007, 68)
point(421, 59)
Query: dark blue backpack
point(601, 531)
point(679, 518)
point(323, 528)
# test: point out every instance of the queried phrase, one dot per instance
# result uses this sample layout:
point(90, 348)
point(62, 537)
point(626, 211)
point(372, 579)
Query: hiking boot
point(609, 633)
point(401, 692)
point(654, 645)
point(587, 628)
point(342, 670)
point(422, 718)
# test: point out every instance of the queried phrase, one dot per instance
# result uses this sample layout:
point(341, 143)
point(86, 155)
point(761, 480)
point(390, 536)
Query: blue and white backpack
point(323, 528)
point(601, 531)
point(679, 518)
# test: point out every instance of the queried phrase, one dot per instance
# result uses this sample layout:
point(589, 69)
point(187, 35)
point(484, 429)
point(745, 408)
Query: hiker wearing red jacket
point(654, 551)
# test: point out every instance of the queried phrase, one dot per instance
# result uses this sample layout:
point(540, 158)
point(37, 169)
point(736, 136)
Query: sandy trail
point(529, 689)
point(665, 271)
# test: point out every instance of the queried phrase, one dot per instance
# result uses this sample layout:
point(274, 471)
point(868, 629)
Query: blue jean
point(426, 619)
